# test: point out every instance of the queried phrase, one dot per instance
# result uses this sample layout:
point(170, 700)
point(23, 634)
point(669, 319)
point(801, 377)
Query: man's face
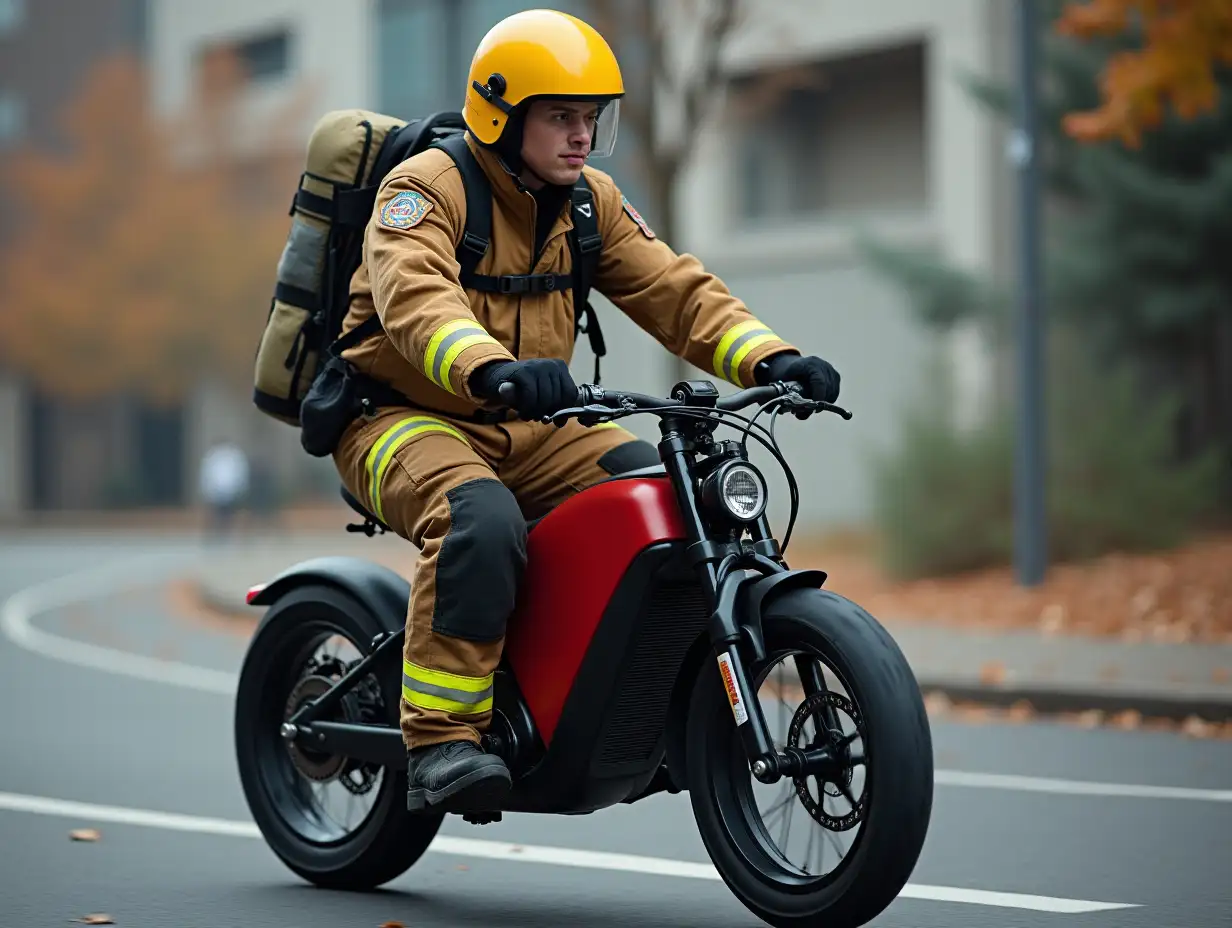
point(556, 139)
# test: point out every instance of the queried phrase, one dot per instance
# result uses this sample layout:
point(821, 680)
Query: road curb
point(1043, 699)
point(1055, 700)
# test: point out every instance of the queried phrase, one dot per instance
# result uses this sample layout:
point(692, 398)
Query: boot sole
point(477, 791)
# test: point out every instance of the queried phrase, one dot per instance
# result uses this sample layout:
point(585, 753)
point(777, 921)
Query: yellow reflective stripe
point(450, 692)
point(743, 351)
point(443, 678)
point(610, 425)
point(428, 701)
point(456, 349)
point(728, 338)
point(439, 336)
point(393, 438)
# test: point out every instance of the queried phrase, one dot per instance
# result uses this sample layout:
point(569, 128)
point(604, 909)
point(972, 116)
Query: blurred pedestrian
point(224, 483)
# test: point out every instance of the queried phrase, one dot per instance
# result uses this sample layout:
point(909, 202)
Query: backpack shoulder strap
point(477, 235)
point(586, 244)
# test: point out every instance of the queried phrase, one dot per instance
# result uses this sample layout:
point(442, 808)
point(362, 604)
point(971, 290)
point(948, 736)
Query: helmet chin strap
point(508, 149)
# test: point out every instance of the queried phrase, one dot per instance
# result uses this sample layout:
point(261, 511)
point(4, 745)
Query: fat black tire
point(391, 839)
point(899, 781)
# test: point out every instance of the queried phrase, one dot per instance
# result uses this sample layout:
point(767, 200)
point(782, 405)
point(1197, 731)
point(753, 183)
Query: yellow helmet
point(541, 54)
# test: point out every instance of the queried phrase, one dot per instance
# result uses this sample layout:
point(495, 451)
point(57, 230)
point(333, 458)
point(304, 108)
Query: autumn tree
point(147, 252)
point(1180, 45)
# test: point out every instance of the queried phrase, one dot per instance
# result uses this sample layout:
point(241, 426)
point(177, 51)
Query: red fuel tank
point(576, 556)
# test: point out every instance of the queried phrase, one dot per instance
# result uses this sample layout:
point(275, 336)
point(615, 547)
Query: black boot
point(455, 776)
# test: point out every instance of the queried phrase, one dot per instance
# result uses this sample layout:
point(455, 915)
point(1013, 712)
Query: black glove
point(544, 385)
point(819, 378)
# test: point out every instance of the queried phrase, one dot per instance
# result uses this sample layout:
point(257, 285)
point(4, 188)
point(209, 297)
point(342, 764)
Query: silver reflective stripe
point(445, 692)
point(442, 350)
point(735, 346)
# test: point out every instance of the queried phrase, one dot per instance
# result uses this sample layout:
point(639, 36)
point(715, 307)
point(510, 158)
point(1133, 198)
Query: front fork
point(722, 566)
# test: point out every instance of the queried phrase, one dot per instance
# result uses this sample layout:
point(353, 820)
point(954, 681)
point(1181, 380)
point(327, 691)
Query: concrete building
point(879, 136)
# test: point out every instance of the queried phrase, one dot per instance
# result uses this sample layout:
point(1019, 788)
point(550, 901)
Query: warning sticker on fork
point(734, 695)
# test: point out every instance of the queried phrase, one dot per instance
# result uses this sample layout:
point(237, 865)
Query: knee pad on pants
point(481, 562)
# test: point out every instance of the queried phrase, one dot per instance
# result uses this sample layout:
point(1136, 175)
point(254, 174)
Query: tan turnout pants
point(462, 493)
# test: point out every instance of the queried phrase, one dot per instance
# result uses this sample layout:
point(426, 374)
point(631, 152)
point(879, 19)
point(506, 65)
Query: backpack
point(349, 153)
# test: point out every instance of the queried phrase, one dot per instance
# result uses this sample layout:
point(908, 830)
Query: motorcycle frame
point(736, 578)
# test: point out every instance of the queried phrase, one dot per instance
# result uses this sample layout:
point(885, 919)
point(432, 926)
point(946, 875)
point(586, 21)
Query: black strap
point(365, 329)
point(313, 202)
point(296, 296)
point(585, 245)
point(478, 232)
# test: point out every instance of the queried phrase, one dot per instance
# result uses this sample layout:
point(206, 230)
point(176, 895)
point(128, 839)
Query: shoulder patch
point(636, 217)
point(406, 210)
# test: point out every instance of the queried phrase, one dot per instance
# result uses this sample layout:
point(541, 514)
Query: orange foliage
point(146, 256)
point(1184, 40)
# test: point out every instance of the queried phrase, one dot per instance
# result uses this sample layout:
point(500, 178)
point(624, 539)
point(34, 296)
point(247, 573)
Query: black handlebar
point(592, 395)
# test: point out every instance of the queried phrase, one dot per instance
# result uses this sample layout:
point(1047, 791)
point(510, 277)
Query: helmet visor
point(603, 141)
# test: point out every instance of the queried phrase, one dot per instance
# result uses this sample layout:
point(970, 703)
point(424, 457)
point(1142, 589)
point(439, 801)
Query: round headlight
point(742, 492)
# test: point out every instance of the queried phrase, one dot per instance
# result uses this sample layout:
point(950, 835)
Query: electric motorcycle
point(660, 643)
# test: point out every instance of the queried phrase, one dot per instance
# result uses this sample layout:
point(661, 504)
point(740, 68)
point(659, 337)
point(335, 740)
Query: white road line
point(962, 778)
point(20, 609)
point(529, 853)
point(17, 613)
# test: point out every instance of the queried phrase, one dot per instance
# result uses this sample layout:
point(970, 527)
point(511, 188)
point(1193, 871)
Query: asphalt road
point(138, 741)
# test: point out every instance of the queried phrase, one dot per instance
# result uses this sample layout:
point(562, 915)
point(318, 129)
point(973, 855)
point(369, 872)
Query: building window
point(266, 57)
point(12, 12)
point(839, 138)
point(260, 58)
point(12, 118)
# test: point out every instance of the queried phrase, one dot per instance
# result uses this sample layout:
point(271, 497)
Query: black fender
point(384, 592)
point(754, 597)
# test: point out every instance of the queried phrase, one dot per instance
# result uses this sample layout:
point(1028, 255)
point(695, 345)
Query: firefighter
point(541, 99)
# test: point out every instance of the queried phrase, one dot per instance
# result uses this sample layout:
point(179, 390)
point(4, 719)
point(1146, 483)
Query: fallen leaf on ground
point(391, 925)
point(1221, 675)
point(1129, 719)
point(1198, 728)
point(1021, 711)
point(992, 673)
point(1090, 719)
point(95, 920)
point(937, 703)
point(461, 867)
point(85, 834)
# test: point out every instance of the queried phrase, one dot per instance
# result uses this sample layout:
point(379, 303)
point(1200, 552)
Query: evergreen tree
point(1137, 280)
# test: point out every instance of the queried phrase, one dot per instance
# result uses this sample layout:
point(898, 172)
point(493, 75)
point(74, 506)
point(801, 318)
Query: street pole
point(1030, 523)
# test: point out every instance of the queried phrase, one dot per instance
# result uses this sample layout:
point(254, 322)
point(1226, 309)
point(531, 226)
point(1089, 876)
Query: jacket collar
point(508, 188)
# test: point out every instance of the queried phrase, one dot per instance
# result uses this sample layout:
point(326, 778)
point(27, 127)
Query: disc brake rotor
point(320, 768)
point(836, 783)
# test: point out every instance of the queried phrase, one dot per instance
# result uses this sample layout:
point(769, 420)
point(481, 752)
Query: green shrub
point(944, 497)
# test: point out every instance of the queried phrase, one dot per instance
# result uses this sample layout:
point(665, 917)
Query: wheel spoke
point(856, 759)
point(846, 791)
point(808, 850)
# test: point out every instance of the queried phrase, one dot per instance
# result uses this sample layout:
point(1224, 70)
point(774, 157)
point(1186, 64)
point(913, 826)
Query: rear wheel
point(336, 822)
point(833, 679)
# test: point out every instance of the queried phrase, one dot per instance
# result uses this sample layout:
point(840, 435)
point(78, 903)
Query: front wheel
point(833, 679)
point(336, 822)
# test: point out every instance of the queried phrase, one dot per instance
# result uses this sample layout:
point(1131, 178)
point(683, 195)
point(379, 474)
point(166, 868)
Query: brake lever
point(586, 415)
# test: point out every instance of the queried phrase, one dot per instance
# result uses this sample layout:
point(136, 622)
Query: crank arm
point(375, 744)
